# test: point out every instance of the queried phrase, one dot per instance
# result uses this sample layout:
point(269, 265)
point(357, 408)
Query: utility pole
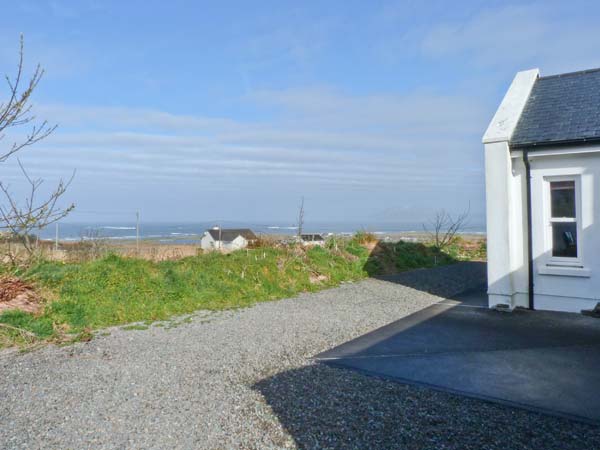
point(220, 240)
point(137, 232)
point(56, 238)
point(301, 219)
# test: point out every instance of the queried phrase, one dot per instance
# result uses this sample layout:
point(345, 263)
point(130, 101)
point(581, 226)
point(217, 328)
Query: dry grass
point(365, 237)
point(91, 250)
point(265, 242)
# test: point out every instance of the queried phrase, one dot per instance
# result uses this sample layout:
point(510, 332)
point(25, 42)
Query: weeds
point(364, 237)
point(115, 290)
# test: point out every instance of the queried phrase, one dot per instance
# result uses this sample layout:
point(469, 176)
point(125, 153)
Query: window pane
point(562, 195)
point(564, 240)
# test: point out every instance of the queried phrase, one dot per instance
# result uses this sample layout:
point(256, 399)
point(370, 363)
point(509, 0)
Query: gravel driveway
point(244, 379)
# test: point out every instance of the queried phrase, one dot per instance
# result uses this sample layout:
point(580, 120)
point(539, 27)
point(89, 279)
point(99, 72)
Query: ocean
point(185, 233)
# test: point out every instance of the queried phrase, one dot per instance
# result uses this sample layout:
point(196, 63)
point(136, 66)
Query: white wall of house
point(575, 286)
point(207, 243)
point(558, 285)
point(505, 200)
point(237, 244)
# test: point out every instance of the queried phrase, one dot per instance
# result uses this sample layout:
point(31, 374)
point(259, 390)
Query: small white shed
point(542, 166)
point(226, 239)
point(312, 239)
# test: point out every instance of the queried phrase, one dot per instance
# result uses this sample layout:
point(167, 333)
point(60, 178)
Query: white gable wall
point(506, 227)
point(207, 242)
point(238, 243)
point(505, 200)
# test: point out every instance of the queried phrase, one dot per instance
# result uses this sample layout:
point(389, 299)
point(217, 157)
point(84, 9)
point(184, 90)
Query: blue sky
point(193, 111)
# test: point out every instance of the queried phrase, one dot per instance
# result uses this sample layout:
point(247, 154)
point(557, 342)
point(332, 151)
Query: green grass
point(117, 291)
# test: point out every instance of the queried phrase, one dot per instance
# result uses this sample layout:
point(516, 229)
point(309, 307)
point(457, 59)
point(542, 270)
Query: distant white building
point(542, 165)
point(226, 240)
point(312, 239)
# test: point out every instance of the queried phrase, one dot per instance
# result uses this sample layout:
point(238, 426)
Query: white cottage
point(542, 166)
point(312, 239)
point(226, 239)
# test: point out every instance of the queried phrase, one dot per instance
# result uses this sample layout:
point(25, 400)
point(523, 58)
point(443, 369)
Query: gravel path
point(244, 379)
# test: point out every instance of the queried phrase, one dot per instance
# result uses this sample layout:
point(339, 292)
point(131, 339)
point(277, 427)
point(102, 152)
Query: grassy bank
point(113, 290)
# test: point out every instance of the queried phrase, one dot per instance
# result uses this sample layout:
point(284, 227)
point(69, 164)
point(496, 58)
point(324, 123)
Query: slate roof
point(228, 235)
point(561, 109)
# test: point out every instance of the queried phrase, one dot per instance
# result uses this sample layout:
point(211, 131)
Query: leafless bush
point(444, 227)
point(95, 242)
point(92, 245)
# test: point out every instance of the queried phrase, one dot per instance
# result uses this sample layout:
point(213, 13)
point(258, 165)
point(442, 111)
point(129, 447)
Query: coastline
point(183, 239)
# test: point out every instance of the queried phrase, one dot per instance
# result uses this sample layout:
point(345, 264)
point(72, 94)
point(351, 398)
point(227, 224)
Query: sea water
point(187, 233)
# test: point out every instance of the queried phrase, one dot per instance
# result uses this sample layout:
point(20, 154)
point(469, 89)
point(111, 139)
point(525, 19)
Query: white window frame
point(562, 261)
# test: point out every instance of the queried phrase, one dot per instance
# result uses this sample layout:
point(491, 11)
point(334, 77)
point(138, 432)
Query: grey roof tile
point(560, 109)
point(229, 234)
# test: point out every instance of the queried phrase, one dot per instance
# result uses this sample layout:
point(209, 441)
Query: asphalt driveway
point(542, 361)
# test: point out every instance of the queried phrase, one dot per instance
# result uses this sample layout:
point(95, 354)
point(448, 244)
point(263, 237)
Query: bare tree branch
point(21, 218)
point(33, 214)
point(443, 228)
point(16, 111)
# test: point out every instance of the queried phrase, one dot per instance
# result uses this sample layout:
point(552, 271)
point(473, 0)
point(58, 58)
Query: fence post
point(137, 232)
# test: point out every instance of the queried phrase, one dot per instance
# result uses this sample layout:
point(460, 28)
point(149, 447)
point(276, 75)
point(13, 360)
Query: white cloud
point(541, 34)
point(319, 140)
point(414, 113)
point(124, 118)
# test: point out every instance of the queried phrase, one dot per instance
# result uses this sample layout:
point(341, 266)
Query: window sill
point(564, 271)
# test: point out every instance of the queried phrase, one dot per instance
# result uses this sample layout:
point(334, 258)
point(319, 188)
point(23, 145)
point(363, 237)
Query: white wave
point(118, 228)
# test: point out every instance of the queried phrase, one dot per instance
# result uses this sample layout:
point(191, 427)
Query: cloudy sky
point(192, 111)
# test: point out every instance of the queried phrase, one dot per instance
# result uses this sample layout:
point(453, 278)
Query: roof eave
point(544, 144)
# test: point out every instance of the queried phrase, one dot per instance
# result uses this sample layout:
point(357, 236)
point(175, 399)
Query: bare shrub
point(92, 245)
point(444, 227)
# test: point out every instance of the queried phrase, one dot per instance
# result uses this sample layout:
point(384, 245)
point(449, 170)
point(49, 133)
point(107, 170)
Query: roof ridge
point(567, 74)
